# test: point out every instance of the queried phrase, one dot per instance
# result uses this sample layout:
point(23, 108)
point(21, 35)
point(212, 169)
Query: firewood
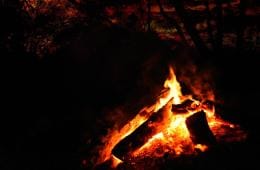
point(184, 107)
point(139, 137)
point(198, 127)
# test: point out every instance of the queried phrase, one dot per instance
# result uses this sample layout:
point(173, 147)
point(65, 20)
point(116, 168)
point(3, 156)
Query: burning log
point(140, 136)
point(184, 107)
point(199, 129)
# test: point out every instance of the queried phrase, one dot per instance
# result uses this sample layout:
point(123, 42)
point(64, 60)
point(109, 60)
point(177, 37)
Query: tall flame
point(174, 87)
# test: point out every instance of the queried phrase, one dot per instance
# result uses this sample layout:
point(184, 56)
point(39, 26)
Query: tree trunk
point(187, 21)
point(219, 20)
point(149, 16)
point(209, 29)
point(172, 21)
point(241, 25)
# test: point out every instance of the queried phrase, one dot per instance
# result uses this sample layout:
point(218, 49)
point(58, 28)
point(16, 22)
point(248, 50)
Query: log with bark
point(198, 127)
point(140, 136)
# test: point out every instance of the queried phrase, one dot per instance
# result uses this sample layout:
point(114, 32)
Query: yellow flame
point(115, 161)
point(201, 147)
point(174, 87)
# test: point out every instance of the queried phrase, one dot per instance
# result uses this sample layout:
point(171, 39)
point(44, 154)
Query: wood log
point(183, 107)
point(140, 136)
point(198, 127)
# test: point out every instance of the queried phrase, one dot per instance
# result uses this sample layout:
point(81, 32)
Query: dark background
point(50, 105)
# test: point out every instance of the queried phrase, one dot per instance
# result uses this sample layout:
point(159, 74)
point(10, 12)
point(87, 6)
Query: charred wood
point(184, 107)
point(198, 127)
point(139, 137)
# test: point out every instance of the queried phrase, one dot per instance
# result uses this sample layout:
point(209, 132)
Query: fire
point(115, 161)
point(174, 87)
point(201, 147)
point(171, 134)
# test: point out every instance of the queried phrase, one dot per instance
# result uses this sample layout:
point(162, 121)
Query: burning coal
point(176, 124)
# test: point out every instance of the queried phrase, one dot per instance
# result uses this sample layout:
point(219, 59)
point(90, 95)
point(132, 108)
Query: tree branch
point(209, 29)
point(241, 26)
point(149, 16)
point(187, 21)
point(219, 36)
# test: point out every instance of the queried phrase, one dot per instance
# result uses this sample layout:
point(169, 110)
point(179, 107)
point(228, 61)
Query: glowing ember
point(201, 147)
point(172, 135)
point(115, 161)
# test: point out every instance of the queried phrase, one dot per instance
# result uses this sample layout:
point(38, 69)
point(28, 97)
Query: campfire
point(175, 124)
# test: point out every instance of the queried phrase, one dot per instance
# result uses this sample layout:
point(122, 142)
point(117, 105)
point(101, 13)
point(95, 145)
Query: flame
point(201, 147)
point(174, 86)
point(115, 161)
point(172, 134)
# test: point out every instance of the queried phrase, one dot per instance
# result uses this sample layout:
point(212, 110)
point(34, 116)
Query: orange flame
point(173, 136)
point(174, 87)
point(115, 161)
